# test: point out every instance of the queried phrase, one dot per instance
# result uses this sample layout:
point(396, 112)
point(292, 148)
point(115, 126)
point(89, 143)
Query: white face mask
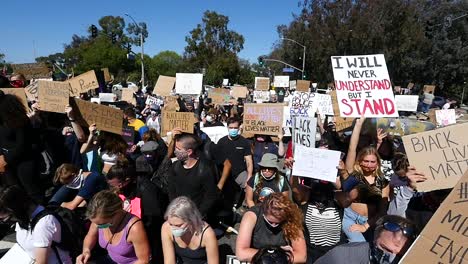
point(209, 119)
point(77, 182)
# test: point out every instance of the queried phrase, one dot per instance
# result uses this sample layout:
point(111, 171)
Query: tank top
point(262, 235)
point(192, 256)
point(122, 252)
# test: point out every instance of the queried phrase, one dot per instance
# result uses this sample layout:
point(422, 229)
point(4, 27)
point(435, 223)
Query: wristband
point(71, 120)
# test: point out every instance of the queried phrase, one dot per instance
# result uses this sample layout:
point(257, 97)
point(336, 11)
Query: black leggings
point(26, 175)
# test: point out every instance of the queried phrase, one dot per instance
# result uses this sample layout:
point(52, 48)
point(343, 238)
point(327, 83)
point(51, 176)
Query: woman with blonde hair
point(277, 222)
point(367, 188)
point(186, 238)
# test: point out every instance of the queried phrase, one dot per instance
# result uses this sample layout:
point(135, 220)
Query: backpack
point(72, 229)
point(280, 183)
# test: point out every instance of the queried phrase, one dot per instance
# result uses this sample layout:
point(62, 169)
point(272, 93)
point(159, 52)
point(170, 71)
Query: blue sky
point(41, 28)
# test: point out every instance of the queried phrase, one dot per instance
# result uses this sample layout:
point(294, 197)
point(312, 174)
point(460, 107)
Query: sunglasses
point(394, 227)
point(270, 169)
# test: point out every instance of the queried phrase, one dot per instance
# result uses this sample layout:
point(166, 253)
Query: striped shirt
point(325, 227)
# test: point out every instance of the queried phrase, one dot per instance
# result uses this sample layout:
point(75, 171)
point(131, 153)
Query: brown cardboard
point(170, 103)
point(441, 154)
point(83, 83)
point(53, 96)
point(31, 91)
point(397, 89)
point(182, 120)
point(32, 70)
point(428, 88)
point(19, 93)
point(302, 86)
point(410, 85)
point(432, 116)
point(127, 95)
point(240, 92)
point(341, 123)
point(220, 95)
point(262, 83)
point(164, 85)
point(264, 119)
point(444, 238)
point(107, 76)
point(106, 118)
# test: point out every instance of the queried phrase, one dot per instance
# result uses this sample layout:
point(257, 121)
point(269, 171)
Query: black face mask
point(378, 256)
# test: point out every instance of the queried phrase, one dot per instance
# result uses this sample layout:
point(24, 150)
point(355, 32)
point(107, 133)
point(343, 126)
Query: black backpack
point(72, 229)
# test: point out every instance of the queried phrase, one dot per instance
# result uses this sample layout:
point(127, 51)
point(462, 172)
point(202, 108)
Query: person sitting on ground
point(186, 237)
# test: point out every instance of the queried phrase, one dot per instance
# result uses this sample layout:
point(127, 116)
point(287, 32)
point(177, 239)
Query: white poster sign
point(324, 104)
point(151, 100)
point(406, 102)
point(261, 96)
point(189, 83)
point(304, 131)
point(225, 82)
point(446, 117)
point(363, 86)
point(215, 133)
point(281, 81)
point(316, 163)
point(107, 97)
point(292, 85)
point(302, 104)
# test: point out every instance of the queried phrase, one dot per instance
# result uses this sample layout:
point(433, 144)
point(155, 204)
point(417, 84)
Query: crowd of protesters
point(168, 198)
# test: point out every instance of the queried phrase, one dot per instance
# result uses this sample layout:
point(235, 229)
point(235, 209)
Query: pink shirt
point(132, 206)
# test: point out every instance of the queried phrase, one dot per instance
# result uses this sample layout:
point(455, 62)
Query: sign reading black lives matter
point(263, 119)
point(304, 131)
point(441, 154)
point(363, 86)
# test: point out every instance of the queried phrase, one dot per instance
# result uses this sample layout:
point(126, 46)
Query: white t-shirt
point(46, 230)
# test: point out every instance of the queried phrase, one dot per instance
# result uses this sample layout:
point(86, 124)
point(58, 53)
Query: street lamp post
point(303, 54)
point(142, 52)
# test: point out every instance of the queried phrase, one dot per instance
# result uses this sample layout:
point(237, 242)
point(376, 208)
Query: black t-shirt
point(235, 150)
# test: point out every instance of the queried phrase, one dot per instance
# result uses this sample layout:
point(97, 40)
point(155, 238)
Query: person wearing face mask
point(193, 175)
point(17, 80)
point(277, 222)
point(77, 186)
point(186, 237)
point(212, 119)
point(120, 233)
point(393, 236)
point(267, 181)
point(154, 119)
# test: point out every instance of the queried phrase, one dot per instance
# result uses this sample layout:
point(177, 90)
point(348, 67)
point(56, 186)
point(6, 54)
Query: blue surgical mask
point(233, 132)
point(178, 232)
point(103, 226)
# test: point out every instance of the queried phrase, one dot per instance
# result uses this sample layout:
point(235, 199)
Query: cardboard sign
point(292, 85)
point(304, 131)
point(31, 91)
point(323, 103)
point(182, 120)
point(262, 83)
point(303, 86)
point(281, 81)
point(170, 103)
point(263, 119)
point(107, 97)
point(441, 154)
point(53, 96)
point(261, 96)
point(446, 117)
point(83, 83)
point(225, 82)
point(189, 83)
point(363, 86)
point(239, 92)
point(164, 85)
point(406, 102)
point(302, 104)
point(220, 95)
point(215, 133)
point(19, 93)
point(106, 118)
point(316, 163)
point(410, 85)
point(127, 95)
point(429, 88)
point(443, 240)
point(32, 70)
point(107, 76)
point(341, 123)
point(397, 89)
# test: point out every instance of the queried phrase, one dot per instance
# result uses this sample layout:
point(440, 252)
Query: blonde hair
point(182, 207)
point(104, 204)
point(65, 173)
point(360, 157)
point(279, 206)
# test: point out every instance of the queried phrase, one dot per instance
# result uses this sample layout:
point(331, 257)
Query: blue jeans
point(350, 218)
point(426, 107)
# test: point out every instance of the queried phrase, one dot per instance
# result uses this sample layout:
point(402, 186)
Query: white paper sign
point(281, 81)
point(406, 102)
point(446, 117)
point(151, 100)
point(107, 97)
point(304, 131)
point(215, 133)
point(261, 96)
point(189, 83)
point(323, 104)
point(363, 86)
point(16, 255)
point(316, 163)
point(303, 104)
point(292, 85)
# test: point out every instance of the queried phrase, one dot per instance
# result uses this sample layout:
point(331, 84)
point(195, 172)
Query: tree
point(166, 63)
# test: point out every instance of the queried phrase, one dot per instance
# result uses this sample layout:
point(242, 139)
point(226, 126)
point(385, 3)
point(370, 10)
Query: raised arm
point(351, 157)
